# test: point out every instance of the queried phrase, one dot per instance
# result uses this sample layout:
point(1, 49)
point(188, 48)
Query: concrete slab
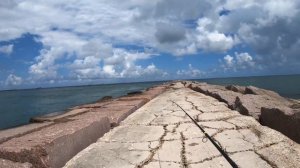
point(190, 130)
point(112, 154)
point(217, 125)
point(243, 121)
point(163, 165)
point(249, 159)
point(137, 133)
point(22, 130)
point(262, 136)
point(169, 119)
point(281, 155)
point(160, 135)
point(114, 114)
point(139, 118)
point(198, 150)
point(54, 145)
point(232, 141)
point(169, 152)
point(10, 164)
point(218, 162)
point(214, 108)
point(217, 116)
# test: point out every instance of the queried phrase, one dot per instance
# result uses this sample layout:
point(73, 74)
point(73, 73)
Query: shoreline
point(83, 125)
point(84, 85)
point(73, 130)
point(20, 106)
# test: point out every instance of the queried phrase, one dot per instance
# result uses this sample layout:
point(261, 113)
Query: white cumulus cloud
point(238, 61)
point(191, 72)
point(6, 49)
point(209, 39)
point(85, 38)
point(13, 80)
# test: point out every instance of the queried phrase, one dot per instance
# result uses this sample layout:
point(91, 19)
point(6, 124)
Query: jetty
point(180, 124)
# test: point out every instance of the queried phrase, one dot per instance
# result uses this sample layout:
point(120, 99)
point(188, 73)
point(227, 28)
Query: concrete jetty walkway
point(160, 135)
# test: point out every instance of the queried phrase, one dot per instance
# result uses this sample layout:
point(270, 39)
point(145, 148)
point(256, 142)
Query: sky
point(70, 42)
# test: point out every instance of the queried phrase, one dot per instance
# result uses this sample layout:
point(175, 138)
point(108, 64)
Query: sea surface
point(285, 85)
point(18, 106)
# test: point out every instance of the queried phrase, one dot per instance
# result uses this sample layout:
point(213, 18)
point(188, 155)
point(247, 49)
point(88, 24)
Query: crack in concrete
point(208, 127)
point(239, 127)
point(176, 126)
point(273, 165)
point(175, 123)
point(192, 103)
point(153, 151)
point(116, 141)
point(248, 150)
point(184, 162)
point(220, 119)
point(218, 132)
point(156, 116)
point(165, 161)
point(206, 159)
point(267, 145)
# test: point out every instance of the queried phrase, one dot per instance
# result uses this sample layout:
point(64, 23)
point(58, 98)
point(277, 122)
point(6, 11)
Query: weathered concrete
point(266, 106)
point(283, 119)
point(221, 93)
point(8, 134)
point(54, 139)
point(159, 134)
point(9, 164)
point(236, 88)
point(54, 145)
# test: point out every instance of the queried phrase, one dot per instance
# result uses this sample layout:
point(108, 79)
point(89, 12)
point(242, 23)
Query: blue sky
point(59, 43)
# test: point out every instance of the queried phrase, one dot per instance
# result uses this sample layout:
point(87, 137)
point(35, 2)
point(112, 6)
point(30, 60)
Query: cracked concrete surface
point(159, 135)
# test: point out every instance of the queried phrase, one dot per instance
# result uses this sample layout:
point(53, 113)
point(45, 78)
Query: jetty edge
point(51, 141)
point(266, 106)
point(166, 132)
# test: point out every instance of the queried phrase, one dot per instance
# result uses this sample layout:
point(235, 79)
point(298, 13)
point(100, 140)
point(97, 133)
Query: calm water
point(287, 85)
point(17, 107)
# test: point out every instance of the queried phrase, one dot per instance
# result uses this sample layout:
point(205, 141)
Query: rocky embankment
point(52, 141)
point(160, 133)
point(268, 107)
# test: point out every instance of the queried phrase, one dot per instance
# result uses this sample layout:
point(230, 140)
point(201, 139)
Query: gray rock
point(53, 146)
point(105, 98)
point(227, 97)
point(282, 119)
point(134, 92)
point(218, 92)
point(266, 106)
point(236, 88)
point(10, 164)
point(8, 134)
point(271, 94)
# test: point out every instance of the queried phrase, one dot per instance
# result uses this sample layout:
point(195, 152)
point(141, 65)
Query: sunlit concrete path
point(160, 134)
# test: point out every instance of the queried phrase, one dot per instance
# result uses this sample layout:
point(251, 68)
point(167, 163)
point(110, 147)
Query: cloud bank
point(85, 38)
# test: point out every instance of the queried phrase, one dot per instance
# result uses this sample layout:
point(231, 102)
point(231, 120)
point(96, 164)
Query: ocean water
point(18, 106)
point(285, 85)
